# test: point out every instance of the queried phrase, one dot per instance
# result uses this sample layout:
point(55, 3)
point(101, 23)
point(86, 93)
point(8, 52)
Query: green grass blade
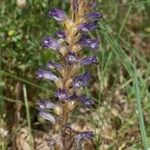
point(28, 113)
point(25, 81)
point(140, 111)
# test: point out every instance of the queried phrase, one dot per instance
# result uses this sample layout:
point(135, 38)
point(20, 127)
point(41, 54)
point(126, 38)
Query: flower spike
point(69, 42)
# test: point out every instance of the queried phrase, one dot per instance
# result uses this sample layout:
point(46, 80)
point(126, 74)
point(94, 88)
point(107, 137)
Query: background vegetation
point(120, 87)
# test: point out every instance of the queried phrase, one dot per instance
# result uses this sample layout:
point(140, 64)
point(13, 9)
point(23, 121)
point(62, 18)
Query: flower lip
point(43, 74)
point(87, 42)
point(57, 14)
point(94, 15)
point(84, 135)
point(49, 42)
point(89, 60)
point(94, 44)
point(71, 58)
point(45, 104)
point(61, 34)
point(62, 94)
point(93, 4)
point(88, 26)
point(53, 65)
point(81, 80)
point(86, 101)
point(48, 116)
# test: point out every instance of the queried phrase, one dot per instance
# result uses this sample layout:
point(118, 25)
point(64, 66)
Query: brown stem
point(64, 115)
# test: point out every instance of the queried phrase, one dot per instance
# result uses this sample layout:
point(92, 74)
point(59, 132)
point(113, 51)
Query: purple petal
point(89, 60)
point(42, 74)
point(84, 136)
point(93, 4)
point(45, 104)
point(61, 94)
point(94, 44)
point(94, 15)
point(52, 65)
point(71, 58)
point(81, 80)
point(47, 116)
point(49, 42)
point(85, 27)
point(87, 42)
point(61, 34)
point(74, 96)
point(57, 14)
point(88, 102)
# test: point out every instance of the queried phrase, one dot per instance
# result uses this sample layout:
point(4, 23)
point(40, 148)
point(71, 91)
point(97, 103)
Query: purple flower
point(52, 65)
point(86, 101)
point(81, 80)
point(94, 15)
point(42, 74)
point(45, 104)
point(62, 94)
point(71, 58)
point(86, 42)
point(84, 136)
point(88, 26)
point(61, 34)
point(47, 116)
point(49, 42)
point(94, 44)
point(93, 4)
point(89, 60)
point(57, 14)
point(73, 97)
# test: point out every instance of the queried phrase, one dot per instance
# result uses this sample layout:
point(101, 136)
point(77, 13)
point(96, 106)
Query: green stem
point(126, 17)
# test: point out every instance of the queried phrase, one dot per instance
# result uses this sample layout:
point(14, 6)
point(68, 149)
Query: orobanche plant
point(66, 73)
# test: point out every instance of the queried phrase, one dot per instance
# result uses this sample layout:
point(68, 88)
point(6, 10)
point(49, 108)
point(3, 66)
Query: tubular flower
point(71, 39)
point(57, 14)
point(81, 80)
point(86, 101)
point(61, 94)
point(94, 15)
point(91, 43)
point(71, 58)
point(45, 104)
point(88, 26)
point(49, 42)
point(42, 74)
point(53, 65)
point(47, 116)
point(89, 60)
point(84, 135)
point(61, 34)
